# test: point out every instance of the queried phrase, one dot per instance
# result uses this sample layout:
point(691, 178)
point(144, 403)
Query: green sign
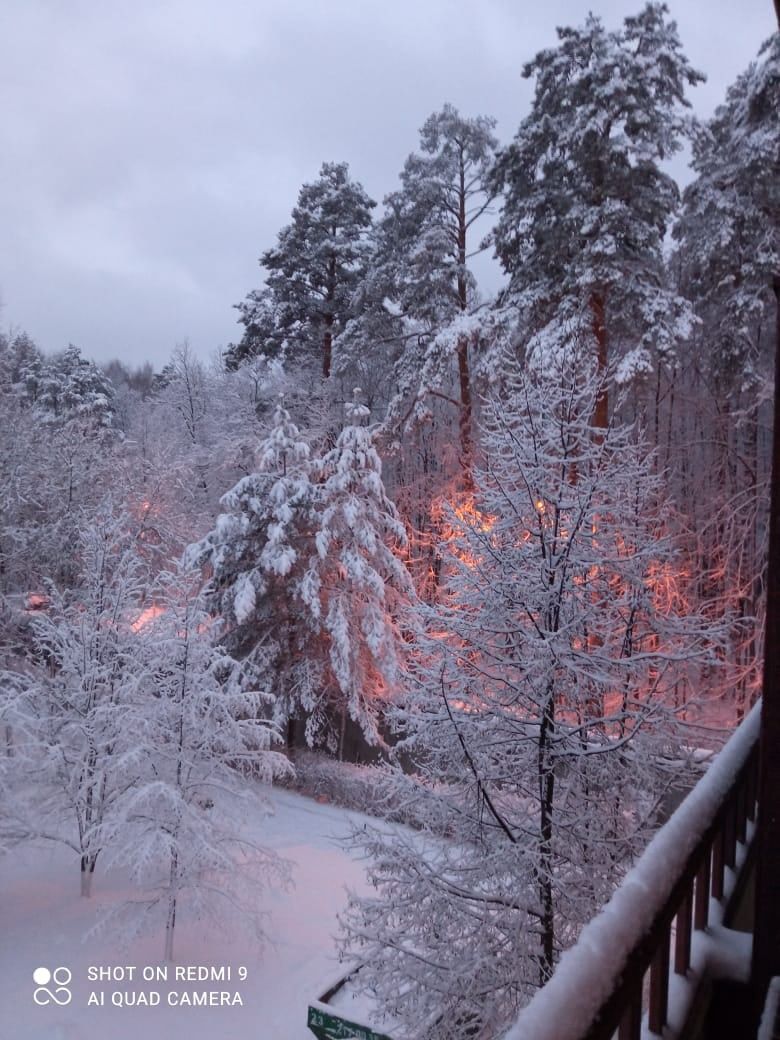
point(330, 1027)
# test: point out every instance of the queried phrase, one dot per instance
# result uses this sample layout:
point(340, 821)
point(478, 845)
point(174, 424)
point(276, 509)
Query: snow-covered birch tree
point(203, 749)
point(71, 708)
point(540, 710)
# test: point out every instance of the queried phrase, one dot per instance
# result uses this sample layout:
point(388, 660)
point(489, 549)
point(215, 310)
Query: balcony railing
point(649, 926)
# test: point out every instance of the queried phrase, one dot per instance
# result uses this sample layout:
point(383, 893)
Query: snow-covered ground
point(43, 921)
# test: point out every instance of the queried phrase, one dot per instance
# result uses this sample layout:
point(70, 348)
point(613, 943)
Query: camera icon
point(59, 994)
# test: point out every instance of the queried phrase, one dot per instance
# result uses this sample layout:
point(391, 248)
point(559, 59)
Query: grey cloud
point(151, 151)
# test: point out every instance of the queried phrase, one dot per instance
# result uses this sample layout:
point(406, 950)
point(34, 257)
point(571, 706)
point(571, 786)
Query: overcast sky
point(149, 151)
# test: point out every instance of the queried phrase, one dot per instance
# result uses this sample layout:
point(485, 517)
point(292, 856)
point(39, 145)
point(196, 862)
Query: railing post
point(752, 786)
point(730, 831)
point(742, 806)
point(766, 948)
point(718, 850)
point(659, 986)
point(682, 934)
point(702, 903)
point(631, 1022)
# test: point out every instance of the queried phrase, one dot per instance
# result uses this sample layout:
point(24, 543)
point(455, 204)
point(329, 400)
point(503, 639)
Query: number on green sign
point(331, 1027)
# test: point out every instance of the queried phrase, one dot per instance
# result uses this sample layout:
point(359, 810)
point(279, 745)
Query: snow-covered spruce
point(356, 586)
point(257, 553)
point(307, 579)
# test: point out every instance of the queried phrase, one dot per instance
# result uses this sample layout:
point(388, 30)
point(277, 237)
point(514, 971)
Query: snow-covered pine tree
point(19, 356)
point(57, 452)
point(419, 278)
point(313, 270)
point(586, 202)
point(356, 585)
point(203, 747)
point(728, 259)
point(72, 707)
point(539, 708)
point(428, 229)
point(70, 387)
point(729, 227)
point(262, 325)
point(411, 345)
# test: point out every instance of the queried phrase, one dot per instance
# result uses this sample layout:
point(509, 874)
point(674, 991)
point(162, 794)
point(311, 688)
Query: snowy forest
point(495, 565)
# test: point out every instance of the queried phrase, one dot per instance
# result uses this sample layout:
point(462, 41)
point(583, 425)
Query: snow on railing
point(597, 986)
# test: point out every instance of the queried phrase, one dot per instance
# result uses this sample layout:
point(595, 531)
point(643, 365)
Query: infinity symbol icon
point(60, 995)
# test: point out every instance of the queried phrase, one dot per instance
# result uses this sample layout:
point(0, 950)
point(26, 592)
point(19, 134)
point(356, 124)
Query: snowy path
point(43, 921)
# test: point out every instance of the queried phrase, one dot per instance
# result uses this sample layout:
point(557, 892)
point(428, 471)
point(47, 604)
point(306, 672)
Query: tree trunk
point(465, 413)
point(170, 923)
point(464, 376)
point(601, 413)
point(342, 732)
point(87, 873)
point(327, 346)
point(544, 874)
point(330, 296)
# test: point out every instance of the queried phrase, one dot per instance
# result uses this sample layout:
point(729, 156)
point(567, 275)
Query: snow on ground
point(43, 920)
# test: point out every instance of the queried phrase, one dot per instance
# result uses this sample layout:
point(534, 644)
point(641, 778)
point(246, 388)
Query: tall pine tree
point(313, 270)
point(586, 202)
